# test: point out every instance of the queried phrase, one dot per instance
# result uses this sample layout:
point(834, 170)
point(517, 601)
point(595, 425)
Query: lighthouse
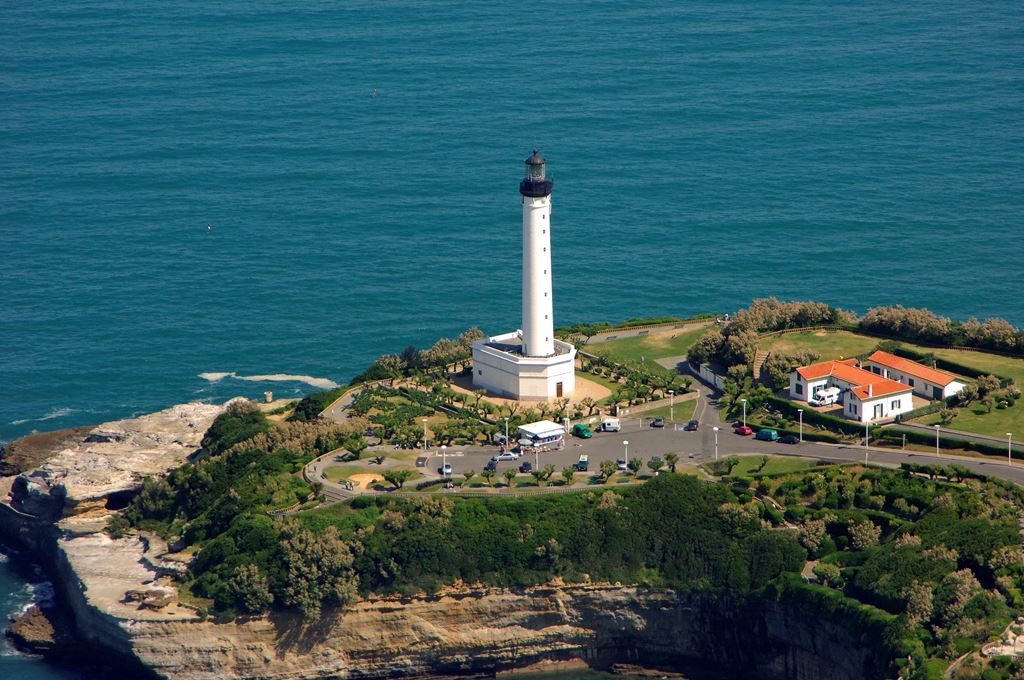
point(529, 363)
point(538, 324)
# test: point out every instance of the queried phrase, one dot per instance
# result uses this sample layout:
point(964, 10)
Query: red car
point(743, 430)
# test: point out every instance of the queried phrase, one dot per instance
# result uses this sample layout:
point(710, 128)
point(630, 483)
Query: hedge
point(934, 407)
point(946, 441)
point(812, 417)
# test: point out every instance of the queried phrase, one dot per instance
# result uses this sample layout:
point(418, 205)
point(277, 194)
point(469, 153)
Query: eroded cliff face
point(474, 631)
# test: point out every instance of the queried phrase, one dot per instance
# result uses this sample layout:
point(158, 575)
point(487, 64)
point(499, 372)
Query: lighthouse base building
point(530, 364)
point(501, 368)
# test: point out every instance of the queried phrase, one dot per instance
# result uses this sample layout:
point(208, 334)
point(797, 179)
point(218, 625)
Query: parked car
point(526, 467)
point(743, 430)
point(583, 464)
point(492, 465)
point(621, 465)
point(582, 431)
point(658, 422)
point(767, 435)
point(692, 426)
point(507, 455)
point(610, 425)
point(445, 469)
point(789, 439)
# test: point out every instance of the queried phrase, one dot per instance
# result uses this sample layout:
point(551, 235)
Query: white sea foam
point(58, 412)
point(20, 422)
point(323, 383)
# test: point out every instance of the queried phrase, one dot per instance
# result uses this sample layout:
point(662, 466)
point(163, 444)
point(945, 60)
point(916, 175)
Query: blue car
point(767, 435)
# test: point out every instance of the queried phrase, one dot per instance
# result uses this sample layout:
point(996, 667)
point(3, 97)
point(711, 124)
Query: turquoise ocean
point(358, 163)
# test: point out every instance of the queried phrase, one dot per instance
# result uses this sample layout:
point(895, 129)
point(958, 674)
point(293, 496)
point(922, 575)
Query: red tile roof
point(881, 388)
point(824, 368)
point(932, 375)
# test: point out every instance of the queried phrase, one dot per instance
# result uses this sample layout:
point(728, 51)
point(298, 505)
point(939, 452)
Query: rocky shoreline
point(119, 595)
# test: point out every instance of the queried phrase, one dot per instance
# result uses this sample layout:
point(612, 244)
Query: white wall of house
point(711, 377)
point(921, 387)
point(807, 387)
point(875, 408)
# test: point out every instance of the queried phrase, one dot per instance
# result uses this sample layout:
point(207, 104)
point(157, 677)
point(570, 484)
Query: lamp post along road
point(937, 440)
point(507, 443)
point(444, 460)
point(672, 405)
point(744, 402)
point(800, 413)
point(625, 446)
point(424, 435)
point(1009, 448)
point(867, 426)
point(716, 443)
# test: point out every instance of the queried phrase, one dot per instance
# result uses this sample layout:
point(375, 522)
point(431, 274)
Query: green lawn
point(976, 418)
point(599, 379)
point(837, 345)
point(683, 410)
point(648, 347)
point(775, 465)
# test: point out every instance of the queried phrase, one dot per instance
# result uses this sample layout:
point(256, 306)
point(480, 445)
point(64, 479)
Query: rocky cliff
point(122, 598)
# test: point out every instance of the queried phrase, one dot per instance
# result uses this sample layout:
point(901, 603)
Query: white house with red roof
point(931, 383)
point(865, 395)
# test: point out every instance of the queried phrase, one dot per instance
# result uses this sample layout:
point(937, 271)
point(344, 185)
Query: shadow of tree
point(292, 633)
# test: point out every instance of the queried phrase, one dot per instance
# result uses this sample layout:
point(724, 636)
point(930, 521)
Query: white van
point(610, 425)
point(825, 397)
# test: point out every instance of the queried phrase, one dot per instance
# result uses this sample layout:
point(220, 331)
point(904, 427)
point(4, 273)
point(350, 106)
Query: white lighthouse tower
point(530, 363)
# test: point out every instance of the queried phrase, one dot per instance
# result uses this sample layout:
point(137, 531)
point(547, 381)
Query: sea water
point(201, 200)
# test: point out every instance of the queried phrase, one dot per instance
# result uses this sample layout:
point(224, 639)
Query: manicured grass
point(976, 418)
point(648, 347)
point(599, 379)
point(339, 473)
point(841, 344)
point(682, 412)
point(775, 465)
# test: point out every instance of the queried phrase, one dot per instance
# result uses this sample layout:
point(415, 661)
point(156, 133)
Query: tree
point(588, 403)
point(967, 394)
point(251, 589)
point(864, 534)
point(608, 468)
point(468, 474)
point(828, 574)
point(392, 366)
point(355, 444)
point(509, 476)
point(538, 476)
point(811, 534)
point(947, 415)
point(989, 402)
point(635, 464)
point(317, 569)
point(569, 475)
point(397, 478)
point(706, 348)
point(987, 384)
point(671, 459)
point(655, 464)
point(919, 603)
point(488, 476)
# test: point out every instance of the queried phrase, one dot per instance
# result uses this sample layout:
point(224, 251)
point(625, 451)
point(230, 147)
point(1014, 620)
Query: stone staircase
point(759, 359)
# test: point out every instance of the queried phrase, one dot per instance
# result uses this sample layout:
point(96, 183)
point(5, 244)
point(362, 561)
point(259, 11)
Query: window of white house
point(911, 383)
point(799, 388)
point(895, 404)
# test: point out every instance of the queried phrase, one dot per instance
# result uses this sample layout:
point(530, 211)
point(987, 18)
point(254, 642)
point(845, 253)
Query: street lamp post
point(507, 443)
point(800, 413)
point(625, 447)
point(672, 406)
point(716, 443)
point(867, 427)
point(444, 460)
point(937, 426)
point(424, 435)
point(744, 402)
point(1009, 448)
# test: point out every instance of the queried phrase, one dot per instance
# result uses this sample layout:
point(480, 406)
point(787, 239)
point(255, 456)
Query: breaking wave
point(323, 383)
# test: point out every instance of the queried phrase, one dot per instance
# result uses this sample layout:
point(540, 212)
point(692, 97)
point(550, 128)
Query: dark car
point(658, 422)
point(692, 426)
point(789, 439)
point(492, 465)
point(526, 467)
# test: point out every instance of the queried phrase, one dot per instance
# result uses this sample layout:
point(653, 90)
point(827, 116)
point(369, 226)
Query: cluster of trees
point(942, 553)
point(921, 325)
point(779, 365)
point(443, 355)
